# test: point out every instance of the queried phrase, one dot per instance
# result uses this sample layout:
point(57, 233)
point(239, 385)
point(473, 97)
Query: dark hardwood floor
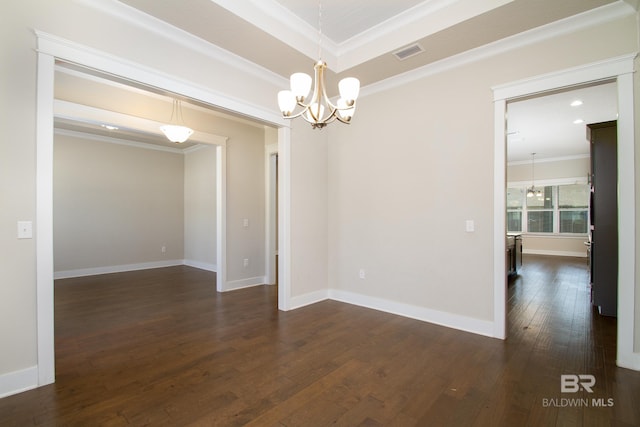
point(162, 348)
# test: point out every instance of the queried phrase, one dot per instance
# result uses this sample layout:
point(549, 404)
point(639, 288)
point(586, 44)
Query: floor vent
point(409, 51)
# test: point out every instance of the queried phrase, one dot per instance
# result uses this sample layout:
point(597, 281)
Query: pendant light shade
point(176, 131)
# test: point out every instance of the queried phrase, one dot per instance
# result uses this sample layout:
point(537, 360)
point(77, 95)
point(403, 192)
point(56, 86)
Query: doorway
point(51, 49)
point(619, 70)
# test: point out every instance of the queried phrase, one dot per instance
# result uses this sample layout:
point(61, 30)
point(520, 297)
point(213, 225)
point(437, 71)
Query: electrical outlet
point(245, 262)
point(25, 230)
point(361, 273)
point(163, 249)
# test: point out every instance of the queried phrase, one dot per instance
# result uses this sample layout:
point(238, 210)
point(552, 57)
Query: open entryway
point(617, 70)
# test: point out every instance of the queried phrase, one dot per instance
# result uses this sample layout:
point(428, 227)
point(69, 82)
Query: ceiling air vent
point(408, 51)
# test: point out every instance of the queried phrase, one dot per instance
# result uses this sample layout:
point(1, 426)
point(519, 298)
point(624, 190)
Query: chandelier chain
point(319, 30)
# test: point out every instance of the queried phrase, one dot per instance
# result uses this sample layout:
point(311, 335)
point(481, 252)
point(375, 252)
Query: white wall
point(200, 207)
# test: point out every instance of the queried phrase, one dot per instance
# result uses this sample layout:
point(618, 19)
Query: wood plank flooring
point(162, 348)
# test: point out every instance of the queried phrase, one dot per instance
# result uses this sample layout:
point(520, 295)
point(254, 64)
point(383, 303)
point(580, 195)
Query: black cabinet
point(514, 253)
point(604, 217)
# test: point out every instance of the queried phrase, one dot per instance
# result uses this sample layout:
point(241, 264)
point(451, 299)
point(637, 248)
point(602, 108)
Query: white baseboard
point(115, 269)
point(18, 381)
point(463, 323)
point(629, 361)
point(243, 283)
point(201, 265)
point(555, 253)
point(308, 299)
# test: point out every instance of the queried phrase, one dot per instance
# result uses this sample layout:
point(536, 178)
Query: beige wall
point(548, 170)
point(309, 247)
point(418, 161)
point(407, 230)
point(115, 205)
point(569, 169)
point(200, 207)
point(245, 201)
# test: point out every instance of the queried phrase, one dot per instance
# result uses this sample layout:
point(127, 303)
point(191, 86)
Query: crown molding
point(275, 19)
point(412, 25)
point(568, 25)
point(117, 141)
point(550, 160)
point(86, 114)
point(175, 35)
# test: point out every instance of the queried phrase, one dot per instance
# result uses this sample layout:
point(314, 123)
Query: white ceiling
point(359, 37)
point(545, 125)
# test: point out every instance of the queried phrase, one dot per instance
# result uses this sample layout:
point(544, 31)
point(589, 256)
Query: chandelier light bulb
point(300, 85)
point(286, 102)
point(349, 89)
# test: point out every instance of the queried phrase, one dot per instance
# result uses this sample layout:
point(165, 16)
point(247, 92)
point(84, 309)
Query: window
point(573, 201)
point(515, 196)
point(540, 211)
point(553, 209)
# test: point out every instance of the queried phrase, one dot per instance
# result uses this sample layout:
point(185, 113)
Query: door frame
point(620, 70)
point(51, 48)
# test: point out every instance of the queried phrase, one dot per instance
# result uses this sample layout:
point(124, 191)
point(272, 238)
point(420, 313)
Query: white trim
point(604, 70)
point(18, 381)
point(51, 47)
point(574, 23)
point(308, 299)
point(166, 31)
point(93, 115)
point(550, 160)
point(620, 69)
point(67, 50)
point(550, 182)
point(554, 253)
point(82, 272)
point(44, 219)
point(284, 218)
point(117, 141)
point(243, 283)
point(627, 282)
point(221, 217)
point(270, 167)
point(201, 265)
point(499, 220)
point(450, 320)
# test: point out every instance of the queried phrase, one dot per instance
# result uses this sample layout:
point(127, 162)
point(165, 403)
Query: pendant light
point(318, 110)
point(176, 131)
point(533, 191)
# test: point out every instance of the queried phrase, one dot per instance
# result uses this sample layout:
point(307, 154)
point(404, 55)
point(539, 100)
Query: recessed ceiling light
point(578, 121)
point(576, 103)
point(109, 127)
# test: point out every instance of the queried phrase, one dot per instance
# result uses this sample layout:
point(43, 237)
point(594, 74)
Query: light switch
point(470, 226)
point(25, 230)
point(245, 223)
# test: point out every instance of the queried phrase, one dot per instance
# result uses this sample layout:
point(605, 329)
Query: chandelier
point(176, 131)
point(533, 191)
point(318, 109)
